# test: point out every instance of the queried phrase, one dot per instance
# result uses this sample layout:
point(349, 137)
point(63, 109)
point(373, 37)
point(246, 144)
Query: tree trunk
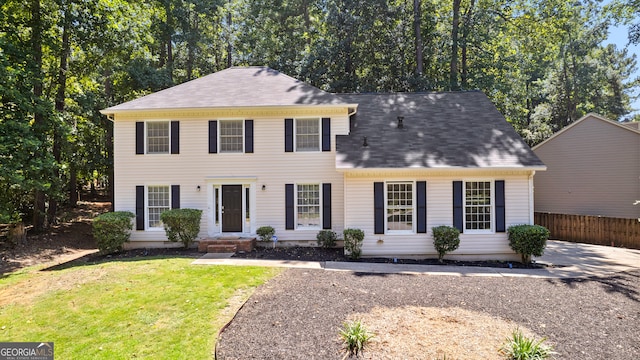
point(109, 143)
point(59, 104)
point(38, 218)
point(229, 46)
point(453, 68)
point(418, 35)
point(73, 185)
point(466, 30)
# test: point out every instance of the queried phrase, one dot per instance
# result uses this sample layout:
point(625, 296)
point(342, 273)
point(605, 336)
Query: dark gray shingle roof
point(233, 87)
point(441, 130)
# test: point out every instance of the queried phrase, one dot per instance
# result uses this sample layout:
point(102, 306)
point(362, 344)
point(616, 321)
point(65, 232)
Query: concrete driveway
point(564, 260)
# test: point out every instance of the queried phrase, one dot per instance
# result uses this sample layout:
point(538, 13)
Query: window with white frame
point(399, 206)
point(231, 136)
point(308, 134)
point(159, 200)
point(158, 134)
point(308, 206)
point(477, 205)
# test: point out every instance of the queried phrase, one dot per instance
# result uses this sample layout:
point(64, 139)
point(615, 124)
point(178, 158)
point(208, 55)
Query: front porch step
point(228, 244)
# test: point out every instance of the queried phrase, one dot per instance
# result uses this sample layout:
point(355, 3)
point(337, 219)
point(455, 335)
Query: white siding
point(359, 210)
point(269, 165)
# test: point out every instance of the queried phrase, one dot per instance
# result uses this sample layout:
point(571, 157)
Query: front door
point(231, 208)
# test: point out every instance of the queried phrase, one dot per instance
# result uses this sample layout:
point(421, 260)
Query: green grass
point(161, 308)
point(521, 347)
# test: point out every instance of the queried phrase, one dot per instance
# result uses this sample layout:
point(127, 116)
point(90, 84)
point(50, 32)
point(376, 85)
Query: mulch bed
point(297, 315)
point(337, 254)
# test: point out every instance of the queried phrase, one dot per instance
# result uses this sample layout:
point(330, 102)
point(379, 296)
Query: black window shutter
point(175, 196)
point(213, 136)
point(421, 195)
point(248, 136)
point(500, 208)
point(175, 137)
point(288, 135)
point(139, 138)
point(288, 199)
point(139, 207)
point(457, 206)
point(326, 134)
point(378, 207)
point(326, 206)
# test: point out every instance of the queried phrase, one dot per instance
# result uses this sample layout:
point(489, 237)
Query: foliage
point(528, 240)
point(353, 239)
point(266, 233)
point(111, 230)
point(520, 347)
point(182, 225)
point(153, 298)
point(327, 238)
point(355, 336)
point(445, 239)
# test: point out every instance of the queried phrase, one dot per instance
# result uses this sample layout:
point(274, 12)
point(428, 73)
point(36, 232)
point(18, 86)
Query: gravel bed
point(297, 314)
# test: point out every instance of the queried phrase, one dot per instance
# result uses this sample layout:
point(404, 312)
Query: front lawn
point(162, 308)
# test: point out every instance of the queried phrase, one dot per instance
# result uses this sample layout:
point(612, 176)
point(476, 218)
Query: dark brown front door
point(231, 208)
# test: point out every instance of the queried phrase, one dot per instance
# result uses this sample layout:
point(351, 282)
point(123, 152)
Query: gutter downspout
point(531, 202)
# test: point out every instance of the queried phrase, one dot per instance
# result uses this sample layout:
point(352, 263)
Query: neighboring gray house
point(251, 146)
point(593, 168)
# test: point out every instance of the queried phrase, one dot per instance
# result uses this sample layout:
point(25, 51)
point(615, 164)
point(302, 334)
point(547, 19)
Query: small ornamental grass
point(445, 239)
point(182, 225)
point(111, 230)
point(520, 347)
point(355, 336)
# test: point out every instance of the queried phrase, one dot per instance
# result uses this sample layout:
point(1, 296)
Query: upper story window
point(307, 134)
point(478, 205)
point(400, 206)
point(158, 137)
point(231, 136)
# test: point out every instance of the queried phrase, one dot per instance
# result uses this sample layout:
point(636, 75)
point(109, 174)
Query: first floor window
point(308, 206)
point(307, 134)
point(157, 137)
point(477, 205)
point(158, 201)
point(400, 206)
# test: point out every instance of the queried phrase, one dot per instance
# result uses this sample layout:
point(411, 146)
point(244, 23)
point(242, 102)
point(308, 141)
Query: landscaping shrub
point(528, 240)
point(327, 238)
point(355, 336)
point(445, 239)
point(266, 233)
point(111, 230)
point(353, 242)
point(520, 347)
point(182, 225)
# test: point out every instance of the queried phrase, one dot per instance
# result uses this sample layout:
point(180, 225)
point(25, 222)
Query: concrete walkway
point(564, 260)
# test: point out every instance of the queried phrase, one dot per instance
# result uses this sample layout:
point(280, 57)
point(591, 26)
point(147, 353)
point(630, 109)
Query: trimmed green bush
point(182, 225)
point(528, 240)
point(353, 239)
point(445, 239)
point(327, 238)
point(111, 230)
point(266, 233)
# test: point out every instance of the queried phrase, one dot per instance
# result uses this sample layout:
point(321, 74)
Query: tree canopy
point(544, 63)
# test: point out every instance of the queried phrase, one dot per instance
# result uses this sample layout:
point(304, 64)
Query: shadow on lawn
point(624, 283)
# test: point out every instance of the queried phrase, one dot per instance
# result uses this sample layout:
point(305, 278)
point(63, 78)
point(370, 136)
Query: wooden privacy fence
point(595, 230)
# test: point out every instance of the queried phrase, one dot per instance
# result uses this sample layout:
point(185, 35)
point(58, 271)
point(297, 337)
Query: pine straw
point(413, 332)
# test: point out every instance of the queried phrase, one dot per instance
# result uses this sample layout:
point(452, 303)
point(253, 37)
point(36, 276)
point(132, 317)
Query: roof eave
point(109, 112)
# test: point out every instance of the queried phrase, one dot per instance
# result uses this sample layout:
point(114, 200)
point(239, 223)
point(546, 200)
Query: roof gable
point(233, 87)
point(590, 116)
point(440, 130)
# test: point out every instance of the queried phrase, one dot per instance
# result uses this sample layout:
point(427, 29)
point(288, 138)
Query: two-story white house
point(251, 146)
